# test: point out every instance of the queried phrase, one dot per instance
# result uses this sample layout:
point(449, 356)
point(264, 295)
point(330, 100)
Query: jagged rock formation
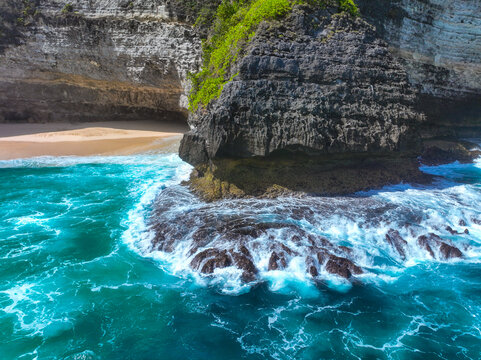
point(439, 45)
point(255, 237)
point(98, 60)
point(315, 82)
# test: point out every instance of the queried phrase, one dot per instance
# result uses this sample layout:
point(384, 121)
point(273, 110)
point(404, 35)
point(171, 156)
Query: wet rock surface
point(395, 240)
point(301, 175)
point(443, 151)
point(444, 250)
point(255, 237)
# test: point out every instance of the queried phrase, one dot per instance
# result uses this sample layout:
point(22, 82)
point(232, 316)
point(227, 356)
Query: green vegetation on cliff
point(233, 27)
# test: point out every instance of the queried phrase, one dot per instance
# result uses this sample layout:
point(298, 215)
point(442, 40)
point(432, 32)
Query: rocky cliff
point(439, 44)
point(333, 87)
point(95, 60)
point(316, 82)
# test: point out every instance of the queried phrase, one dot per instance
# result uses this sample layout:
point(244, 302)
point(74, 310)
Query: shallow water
point(78, 279)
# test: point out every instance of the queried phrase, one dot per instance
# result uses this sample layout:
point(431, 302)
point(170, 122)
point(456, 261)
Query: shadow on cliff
point(295, 173)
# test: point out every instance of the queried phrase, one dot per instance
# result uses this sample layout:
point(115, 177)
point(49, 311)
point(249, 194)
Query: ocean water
point(79, 279)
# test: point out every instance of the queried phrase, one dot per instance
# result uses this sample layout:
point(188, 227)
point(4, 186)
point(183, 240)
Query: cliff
point(313, 85)
point(327, 91)
point(315, 82)
point(439, 44)
point(95, 60)
point(335, 84)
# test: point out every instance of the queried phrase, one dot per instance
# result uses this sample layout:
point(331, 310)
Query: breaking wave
point(298, 242)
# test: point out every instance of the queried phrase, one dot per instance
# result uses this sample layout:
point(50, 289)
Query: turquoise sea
point(78, 281)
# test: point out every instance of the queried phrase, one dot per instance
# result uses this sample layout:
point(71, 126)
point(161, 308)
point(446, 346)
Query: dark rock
point(451, 230)
point(330, 89)
point(342, 267)
point(450, 252)
point(423, 242)
point(447, 251)
point(311, 266)
point(277, 262)
point(346, 250)
point(338, 265)
point(438, 152)
point(244, 262)
point(395, 240)
point(322, 256)
point(287, 250)
point(211, 259)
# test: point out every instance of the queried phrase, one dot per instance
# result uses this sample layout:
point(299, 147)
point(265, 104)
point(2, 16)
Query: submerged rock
point(446, 251)
point(396, 241)
point(311, 235)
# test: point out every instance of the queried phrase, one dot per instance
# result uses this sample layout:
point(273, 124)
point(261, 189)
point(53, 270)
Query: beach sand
point(85, 139)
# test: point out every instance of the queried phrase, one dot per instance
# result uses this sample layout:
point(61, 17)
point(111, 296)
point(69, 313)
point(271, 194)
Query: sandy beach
point(85, 139)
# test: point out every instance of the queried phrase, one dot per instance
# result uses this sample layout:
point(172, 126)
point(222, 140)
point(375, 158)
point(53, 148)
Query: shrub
point(28, 13)
point(68, 8)
point(349, 6)
point(234, 26)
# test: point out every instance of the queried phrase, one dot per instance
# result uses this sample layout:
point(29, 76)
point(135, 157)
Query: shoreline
point(88, 139)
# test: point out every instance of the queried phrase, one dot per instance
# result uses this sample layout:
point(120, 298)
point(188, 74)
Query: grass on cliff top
point(234, 25)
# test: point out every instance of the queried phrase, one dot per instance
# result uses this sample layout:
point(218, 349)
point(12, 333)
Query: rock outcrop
point(315, 82)
point(96, 60)
point(315, 237)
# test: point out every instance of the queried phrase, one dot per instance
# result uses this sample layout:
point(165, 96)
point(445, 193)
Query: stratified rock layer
point(439, 44)
point(105, 59)
point(314, 82)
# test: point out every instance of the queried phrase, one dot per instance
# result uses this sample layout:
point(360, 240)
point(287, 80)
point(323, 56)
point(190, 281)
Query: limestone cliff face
point(439, 44)
point(316, 82)
point(103, 59)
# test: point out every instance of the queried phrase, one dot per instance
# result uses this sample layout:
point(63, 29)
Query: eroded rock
point(208, 260)
point(342, 267)
point(447, 251)
point(396, 241)
point(314, 83)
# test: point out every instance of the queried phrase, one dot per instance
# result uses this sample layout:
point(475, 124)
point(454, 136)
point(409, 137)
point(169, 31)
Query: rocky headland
point(329, 102)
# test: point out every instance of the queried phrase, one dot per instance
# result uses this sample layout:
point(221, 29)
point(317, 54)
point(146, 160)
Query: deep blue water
point(78, 281)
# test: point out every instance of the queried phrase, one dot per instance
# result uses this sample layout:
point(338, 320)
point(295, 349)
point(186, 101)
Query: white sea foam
point(359, 222)
point(64, 161)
